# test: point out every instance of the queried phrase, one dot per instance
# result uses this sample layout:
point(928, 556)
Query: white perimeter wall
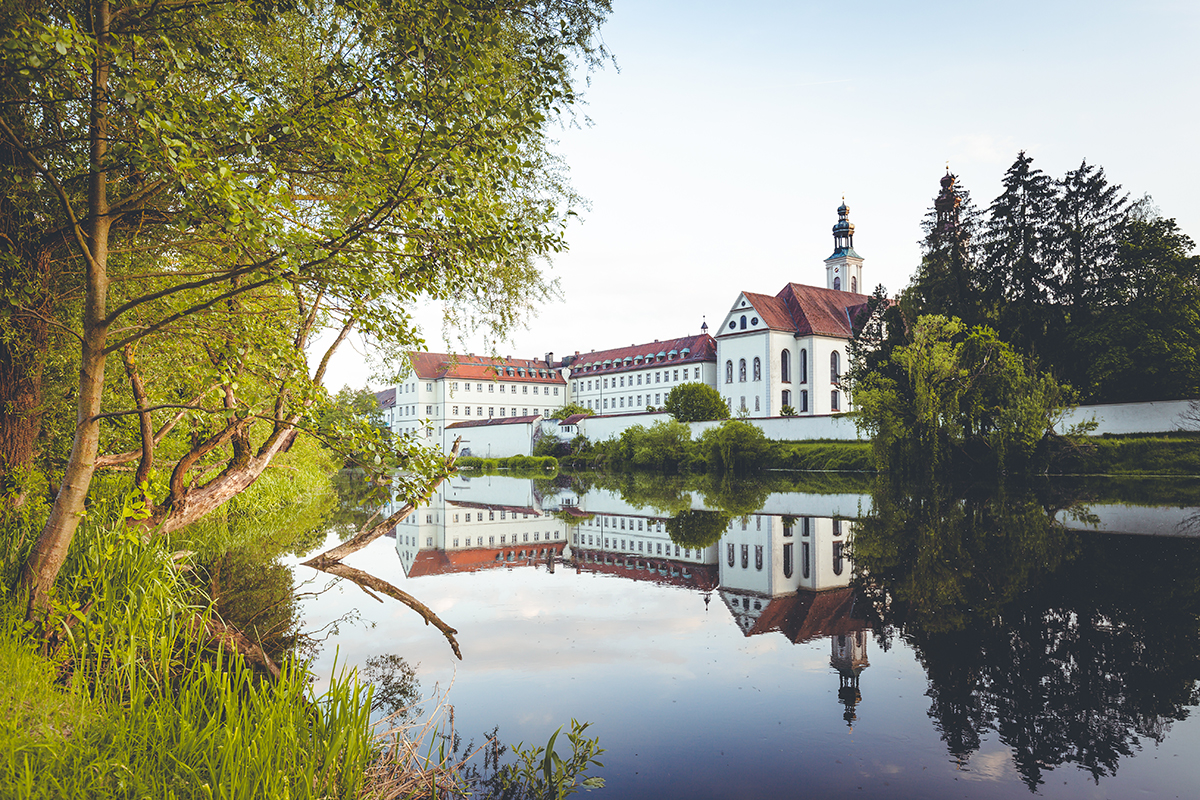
point(1156, 417)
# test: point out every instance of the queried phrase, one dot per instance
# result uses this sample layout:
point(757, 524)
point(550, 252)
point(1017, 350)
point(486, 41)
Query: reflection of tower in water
point(849, 658)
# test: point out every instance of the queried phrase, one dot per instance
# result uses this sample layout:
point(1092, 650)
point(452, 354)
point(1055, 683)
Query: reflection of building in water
point(790, 575)
point(768, 557)
point(480, 523)
point(849, 658)
point(640, 548)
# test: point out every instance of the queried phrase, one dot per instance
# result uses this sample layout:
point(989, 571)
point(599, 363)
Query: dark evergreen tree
point(1088, 223)
point(946, 282)
point(1018, 277)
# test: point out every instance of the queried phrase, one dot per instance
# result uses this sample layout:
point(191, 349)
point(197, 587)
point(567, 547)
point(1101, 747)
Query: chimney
point(549, 359)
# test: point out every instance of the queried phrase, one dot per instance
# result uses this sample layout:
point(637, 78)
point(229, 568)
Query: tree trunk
point(50, 551)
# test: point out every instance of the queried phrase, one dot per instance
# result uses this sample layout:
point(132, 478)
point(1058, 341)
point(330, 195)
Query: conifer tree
point(1090, 215)
point(946, 282)
point(1019, 276)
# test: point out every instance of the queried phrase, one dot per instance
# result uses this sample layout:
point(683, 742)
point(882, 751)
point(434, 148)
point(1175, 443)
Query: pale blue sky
point(721, 148)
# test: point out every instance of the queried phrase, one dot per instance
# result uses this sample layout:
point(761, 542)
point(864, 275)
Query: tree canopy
point(695, 402)
point(201, 188)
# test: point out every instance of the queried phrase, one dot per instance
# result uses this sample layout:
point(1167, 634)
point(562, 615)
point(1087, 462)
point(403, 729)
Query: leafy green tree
point(735, 448)
point(570, 410)
point(958, 400)
point(695, 402)
point(697, 528)
point(221, 182)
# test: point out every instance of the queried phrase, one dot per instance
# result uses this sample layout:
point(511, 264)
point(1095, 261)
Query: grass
point(1169, 454)
point(135, 703)
point(823, 456)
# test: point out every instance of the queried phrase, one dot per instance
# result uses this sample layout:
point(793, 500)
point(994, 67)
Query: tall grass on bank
point(139, 705)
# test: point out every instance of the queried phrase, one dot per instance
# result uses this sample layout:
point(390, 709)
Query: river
point(815, 637)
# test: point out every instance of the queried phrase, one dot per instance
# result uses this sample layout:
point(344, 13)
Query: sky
point(716, 151)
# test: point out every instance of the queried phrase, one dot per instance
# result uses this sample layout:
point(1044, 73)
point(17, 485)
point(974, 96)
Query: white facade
point(631, 379)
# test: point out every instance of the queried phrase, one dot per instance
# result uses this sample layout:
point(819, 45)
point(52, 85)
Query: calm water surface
point(742, 642)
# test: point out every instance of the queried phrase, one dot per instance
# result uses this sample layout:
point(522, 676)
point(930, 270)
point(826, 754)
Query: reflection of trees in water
point(1072, 649)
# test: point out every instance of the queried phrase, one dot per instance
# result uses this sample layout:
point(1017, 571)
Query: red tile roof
point(700, 348)
point(386, 398)
point(661, 571)
point(495, 507)
point(821, 312)
point(804, 616)
point(442, 562)
point(435, 366)
point(574, 419)
point(809, 310)
point(483, 423)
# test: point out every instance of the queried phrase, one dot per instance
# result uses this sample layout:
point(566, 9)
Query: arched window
point(804, 559)
point(804, 400)
point(785, 398)
point(803, 366)
point(837, 558)
point(729, 372)
point(833, 400)
point(835, 367)
point(743, 322)
point(742, 370)
point(853, 284)
point(785, 366)
point(837, 284)
point(731, 556)
point(787, 560)
point(757, 369)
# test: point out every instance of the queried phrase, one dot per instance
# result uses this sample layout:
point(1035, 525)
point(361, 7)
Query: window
point(605, 383)
point(524, 389)
point(757, 369)
point(833, 401)
point(621, 381)
point(656, 396)
point(804, 558)
point(606, 402)
point(837, 284)
point(639, 379)
point(853, 284)
point(745, 553)
point(456, 411)
point(454, 386)
point(803, 366)
point(697, 375)
point(758, 557)
point(756, 405)
point(491, 387)
point(658, 377)
point(556, 390)
point(524, 412)
point(479, 387)
point(803, 400)
point(838, 561)
point(742, 404)
point(676, 374)
point(428, 410)
point(835, 368)
point(502, 411)
point(429, 387)
point(742, 322)
point(742, 370)
point(786, 398)
point(514, 412)
point(491, 411)
point(467, 409)
point(502, 388)
point(785, 366)
point(479, 411)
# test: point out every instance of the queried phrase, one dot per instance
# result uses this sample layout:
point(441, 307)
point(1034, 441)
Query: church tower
point(843, 269)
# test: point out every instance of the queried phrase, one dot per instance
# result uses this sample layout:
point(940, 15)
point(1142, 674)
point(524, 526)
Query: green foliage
point(663, 447)
point(149, 710)
point(734, 448)
point(958, 399)
point(695, 402)
point(551, 446)
point(514, 465)
point(1130, 455)
point(570, 410)
point(839, 456)
point(697, 528)
point(541, 773)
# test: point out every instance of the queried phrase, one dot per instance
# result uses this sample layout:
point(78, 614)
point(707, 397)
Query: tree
point(735, 447)
point(216, 183)
point(1085, 239)
point(947, 281)
point(1017, 259)
point(694, 402)
point(569, 410)
point(958, 399)
point(697, 528)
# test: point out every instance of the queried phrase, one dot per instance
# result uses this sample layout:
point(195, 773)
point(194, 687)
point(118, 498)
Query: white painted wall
point(1155, 417)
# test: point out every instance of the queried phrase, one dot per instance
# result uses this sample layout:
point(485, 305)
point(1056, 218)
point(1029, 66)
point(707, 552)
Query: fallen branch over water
point(331, 560)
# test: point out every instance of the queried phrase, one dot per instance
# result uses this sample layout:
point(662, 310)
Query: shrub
point(735, 447)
